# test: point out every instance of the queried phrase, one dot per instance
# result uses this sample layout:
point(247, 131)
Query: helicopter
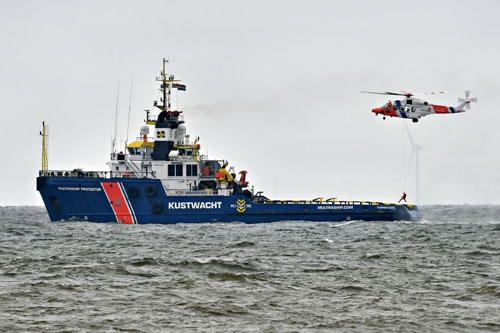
point(414, 109)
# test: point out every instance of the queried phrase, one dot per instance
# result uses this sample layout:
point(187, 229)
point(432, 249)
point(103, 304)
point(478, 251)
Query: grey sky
point(272, 86)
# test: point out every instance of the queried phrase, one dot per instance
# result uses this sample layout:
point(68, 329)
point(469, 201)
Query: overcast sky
point(272, 86)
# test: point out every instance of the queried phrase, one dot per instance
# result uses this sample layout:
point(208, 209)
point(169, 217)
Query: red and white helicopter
point(414, 109)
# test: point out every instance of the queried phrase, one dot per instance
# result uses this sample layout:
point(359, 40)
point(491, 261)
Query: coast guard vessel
point(164, 178)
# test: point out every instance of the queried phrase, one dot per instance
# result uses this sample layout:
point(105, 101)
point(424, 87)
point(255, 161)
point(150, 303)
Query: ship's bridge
point(140, 150)
point(185, 152)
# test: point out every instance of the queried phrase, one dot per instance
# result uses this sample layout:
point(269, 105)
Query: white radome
point(144, 129)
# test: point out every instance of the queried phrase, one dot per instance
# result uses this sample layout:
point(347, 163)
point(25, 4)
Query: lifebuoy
point(157, 208)
point(151, 191)
point(133, 192)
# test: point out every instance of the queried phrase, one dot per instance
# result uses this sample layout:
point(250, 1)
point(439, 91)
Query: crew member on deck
point(403, 197)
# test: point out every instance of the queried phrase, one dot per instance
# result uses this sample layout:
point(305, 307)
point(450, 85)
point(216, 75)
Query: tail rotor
point(467, 100)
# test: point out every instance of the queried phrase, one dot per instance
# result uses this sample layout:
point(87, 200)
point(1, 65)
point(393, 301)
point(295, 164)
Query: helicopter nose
point(377, 110)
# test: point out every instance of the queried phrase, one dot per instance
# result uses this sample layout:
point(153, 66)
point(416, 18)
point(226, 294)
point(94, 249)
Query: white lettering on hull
point(194, 205)
point(387, 207)
point(336, 207)
point(88, 189)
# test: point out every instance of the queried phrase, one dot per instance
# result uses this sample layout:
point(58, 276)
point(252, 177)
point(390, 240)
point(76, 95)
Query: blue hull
point(133, 200)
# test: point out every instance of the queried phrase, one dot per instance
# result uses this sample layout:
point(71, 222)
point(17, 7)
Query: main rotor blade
point(434, 92)
point(387, 93)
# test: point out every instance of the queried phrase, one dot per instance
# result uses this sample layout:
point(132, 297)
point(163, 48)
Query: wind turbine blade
point(409, 135)
point(467, 106)
point(467, 93)
point(474, 99)
point(460, 100)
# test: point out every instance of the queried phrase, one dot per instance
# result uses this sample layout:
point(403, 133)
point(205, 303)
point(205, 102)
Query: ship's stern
point(408, 213)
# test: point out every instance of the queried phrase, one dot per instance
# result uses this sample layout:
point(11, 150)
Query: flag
point(179, 86)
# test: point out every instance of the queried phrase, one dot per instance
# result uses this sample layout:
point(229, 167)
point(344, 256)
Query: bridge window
point(178, 170)
point(175, 170)
point(171, 170)
point(133, 151)
point(191, 170)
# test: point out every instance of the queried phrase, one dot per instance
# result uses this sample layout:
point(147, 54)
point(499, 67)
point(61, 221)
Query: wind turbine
point(397, 180)
point(415, 152)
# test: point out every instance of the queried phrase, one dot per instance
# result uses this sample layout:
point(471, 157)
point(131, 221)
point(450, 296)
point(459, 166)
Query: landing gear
point(383, 118)
point(415, 120)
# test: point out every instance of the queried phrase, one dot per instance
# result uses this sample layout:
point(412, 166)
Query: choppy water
point(441, 274)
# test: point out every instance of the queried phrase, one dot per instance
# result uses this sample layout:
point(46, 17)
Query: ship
point(162, 177)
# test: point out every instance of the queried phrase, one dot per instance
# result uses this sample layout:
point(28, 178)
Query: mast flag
point(179, 86)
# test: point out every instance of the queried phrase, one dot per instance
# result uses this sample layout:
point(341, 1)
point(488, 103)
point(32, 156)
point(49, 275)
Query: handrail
point(327, 202)
point(137, 171)
point(185, 192)
point(77, 173)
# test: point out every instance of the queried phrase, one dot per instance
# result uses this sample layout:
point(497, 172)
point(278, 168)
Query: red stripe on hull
point(118, 202)
point(441, 109)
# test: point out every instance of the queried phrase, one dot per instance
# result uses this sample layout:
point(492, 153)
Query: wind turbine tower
point(415, 152)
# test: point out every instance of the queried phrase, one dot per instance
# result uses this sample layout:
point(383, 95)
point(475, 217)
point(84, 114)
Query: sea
point(441, 274)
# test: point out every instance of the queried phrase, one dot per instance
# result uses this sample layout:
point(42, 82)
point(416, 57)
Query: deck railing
point(191, 192)
point(95, 174)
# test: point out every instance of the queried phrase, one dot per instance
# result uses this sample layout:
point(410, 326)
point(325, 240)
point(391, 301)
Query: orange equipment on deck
point(243, 176)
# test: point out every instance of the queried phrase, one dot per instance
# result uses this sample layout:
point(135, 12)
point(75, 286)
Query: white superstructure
point(170, 155)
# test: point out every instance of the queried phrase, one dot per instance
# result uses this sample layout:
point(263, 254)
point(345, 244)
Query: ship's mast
point(165, 87)
point(168, 121)
point(113, 142)
point(45, 149)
